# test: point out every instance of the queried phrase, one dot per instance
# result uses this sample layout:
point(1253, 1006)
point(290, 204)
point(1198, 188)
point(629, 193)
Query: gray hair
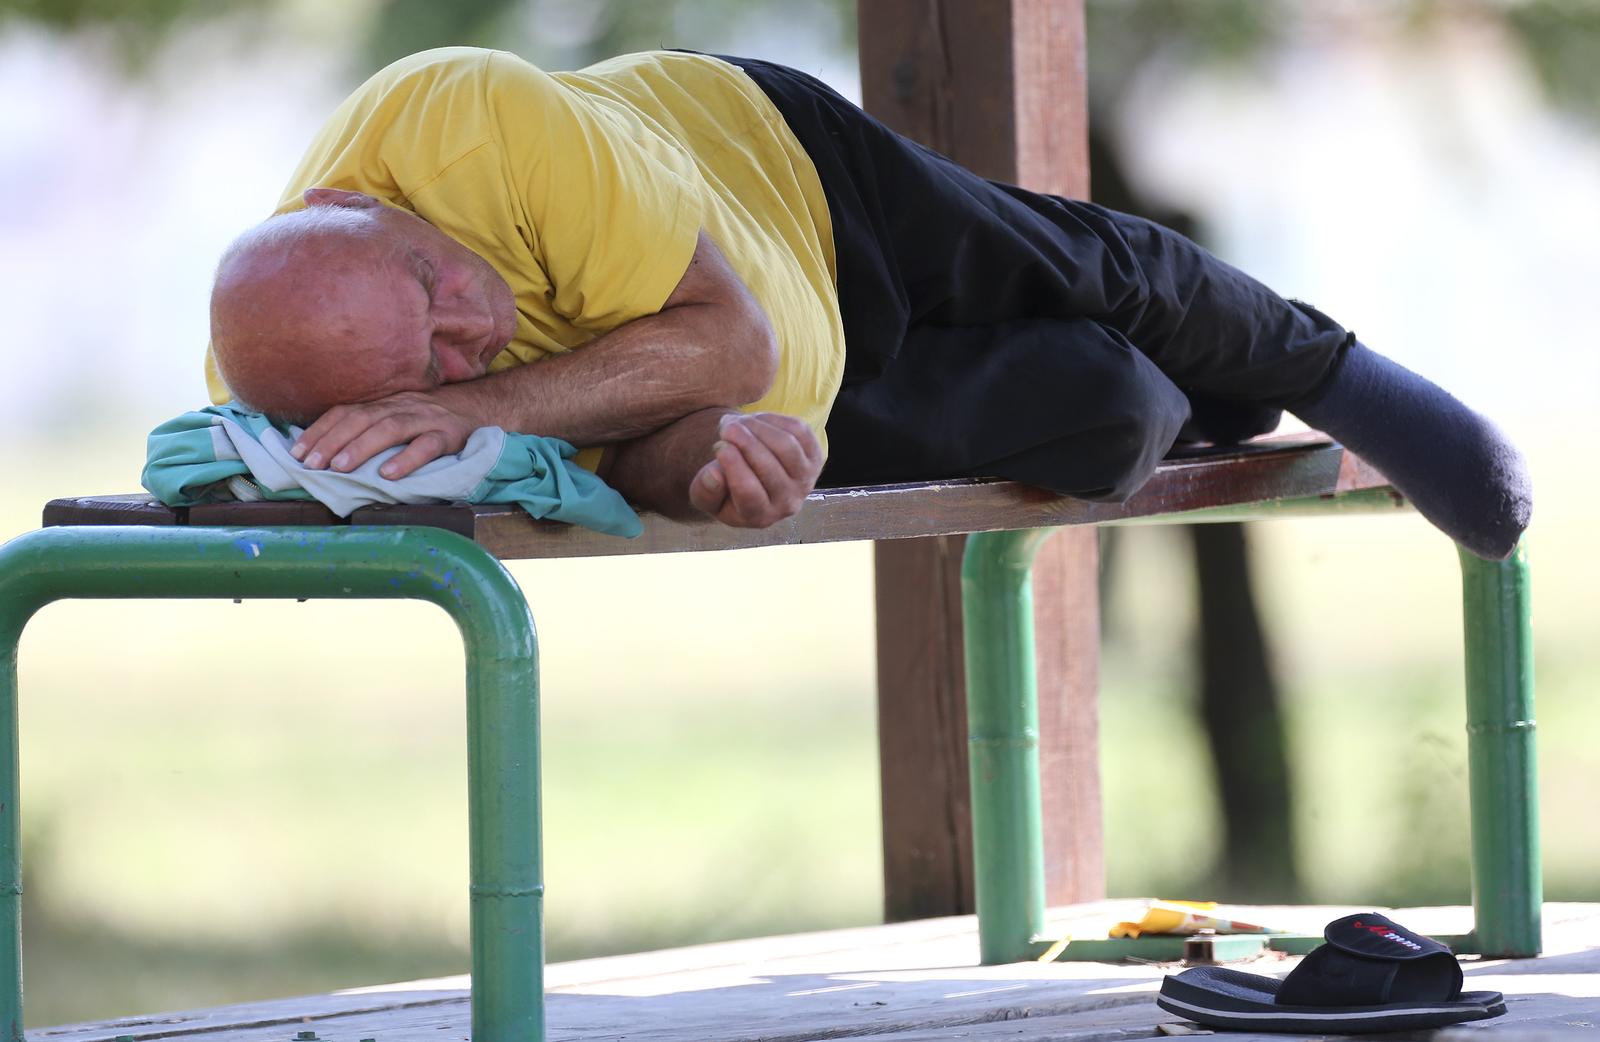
point(279, 416)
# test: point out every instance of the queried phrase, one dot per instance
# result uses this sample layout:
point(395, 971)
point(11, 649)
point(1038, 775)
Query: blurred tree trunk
point(1239, 693)
point(1239, 705)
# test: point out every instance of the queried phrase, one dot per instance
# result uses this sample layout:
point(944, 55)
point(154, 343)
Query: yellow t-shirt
point(587, 192)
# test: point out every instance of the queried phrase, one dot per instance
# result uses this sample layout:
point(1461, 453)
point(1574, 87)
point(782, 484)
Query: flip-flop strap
point(1370, 960)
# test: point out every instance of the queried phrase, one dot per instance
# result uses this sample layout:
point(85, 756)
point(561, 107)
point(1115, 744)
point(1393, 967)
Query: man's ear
point(340, 197)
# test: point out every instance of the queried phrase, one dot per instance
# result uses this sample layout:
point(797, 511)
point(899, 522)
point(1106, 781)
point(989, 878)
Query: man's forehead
point(370, 326)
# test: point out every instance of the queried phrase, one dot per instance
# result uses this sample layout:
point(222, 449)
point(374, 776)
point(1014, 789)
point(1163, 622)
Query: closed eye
point(422, 271)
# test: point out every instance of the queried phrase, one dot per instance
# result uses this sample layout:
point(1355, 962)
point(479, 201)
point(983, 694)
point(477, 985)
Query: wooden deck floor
point(912, 982)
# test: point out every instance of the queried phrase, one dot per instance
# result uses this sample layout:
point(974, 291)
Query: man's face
point(382, 303)
point(447, 311)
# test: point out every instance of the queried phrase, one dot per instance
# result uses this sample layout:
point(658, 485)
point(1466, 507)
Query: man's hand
point(346, 436)
point(766, 463)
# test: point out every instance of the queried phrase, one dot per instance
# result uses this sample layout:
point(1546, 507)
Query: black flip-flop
point(1372, 975)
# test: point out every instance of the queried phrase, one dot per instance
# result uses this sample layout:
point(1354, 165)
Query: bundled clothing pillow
point(224, 453)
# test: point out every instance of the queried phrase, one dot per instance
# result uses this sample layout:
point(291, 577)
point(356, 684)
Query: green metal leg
point(417, 563)
point(1002, 711)
point(1003, 741)
point(1507, 889)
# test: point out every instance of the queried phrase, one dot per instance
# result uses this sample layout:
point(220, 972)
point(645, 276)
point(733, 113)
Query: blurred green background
point(224, 802)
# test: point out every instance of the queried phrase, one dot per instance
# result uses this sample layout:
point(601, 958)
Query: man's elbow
point(737, 350)
point(757, 356)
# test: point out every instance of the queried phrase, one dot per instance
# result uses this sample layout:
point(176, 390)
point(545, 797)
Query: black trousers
point(991, 330)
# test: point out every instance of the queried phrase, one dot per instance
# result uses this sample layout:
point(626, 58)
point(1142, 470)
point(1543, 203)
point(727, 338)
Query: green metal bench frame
point(1003, 724)
point(427, 564)
point(388, 555)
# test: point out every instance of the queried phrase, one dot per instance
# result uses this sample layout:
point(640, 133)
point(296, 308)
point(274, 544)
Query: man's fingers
point(385, 432)
point(316, 430)
point(425, 448)
point(746, 495)
point(305, 447)
point(783, 445)
point(346, 437)
point(708, 492)
point(798, 429)
point(761, 445)
point(340, 426)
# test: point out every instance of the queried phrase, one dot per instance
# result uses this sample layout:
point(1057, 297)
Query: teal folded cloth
point(221, 454)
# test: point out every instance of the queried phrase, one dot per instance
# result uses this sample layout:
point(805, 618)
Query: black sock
point(1456, 468)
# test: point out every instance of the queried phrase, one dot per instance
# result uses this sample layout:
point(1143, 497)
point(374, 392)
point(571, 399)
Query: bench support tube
point(1003, 741)
point(415, 563)
point(1507, 888)
point(1003, 725)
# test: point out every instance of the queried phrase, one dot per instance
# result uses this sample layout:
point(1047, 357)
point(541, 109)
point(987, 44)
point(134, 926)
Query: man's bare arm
point(747, 471)
point(710, 345)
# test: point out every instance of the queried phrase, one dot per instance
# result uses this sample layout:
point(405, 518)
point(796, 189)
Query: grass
point(224, 802)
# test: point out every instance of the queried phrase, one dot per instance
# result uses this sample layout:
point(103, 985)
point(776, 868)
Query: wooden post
point(999, 86)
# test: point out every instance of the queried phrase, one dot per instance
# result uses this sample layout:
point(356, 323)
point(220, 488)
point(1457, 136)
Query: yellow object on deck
point(1186, 917)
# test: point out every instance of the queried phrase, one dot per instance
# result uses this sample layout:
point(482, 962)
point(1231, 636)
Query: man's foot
point(1456, 467)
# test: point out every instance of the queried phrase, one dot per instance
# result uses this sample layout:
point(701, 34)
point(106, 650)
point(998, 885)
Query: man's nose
point(466, 326)
point(462, 329)
point(459, 344)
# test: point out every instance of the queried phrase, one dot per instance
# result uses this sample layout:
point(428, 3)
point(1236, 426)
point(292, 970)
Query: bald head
point(350, 301)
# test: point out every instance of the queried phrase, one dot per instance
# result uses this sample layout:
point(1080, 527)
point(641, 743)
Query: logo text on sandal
point(1387, 934)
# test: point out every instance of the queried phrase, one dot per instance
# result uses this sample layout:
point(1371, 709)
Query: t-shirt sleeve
point(612, 209)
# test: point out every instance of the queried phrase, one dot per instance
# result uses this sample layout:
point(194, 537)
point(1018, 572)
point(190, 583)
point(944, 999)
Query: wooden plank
point(277, 1018)
point(460, 518)
point(1292, 467)
point(1131, 1019)
point(139, 508)
point(263, 514)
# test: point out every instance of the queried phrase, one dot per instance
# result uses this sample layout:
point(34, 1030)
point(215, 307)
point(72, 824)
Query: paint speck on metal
point(248, 547)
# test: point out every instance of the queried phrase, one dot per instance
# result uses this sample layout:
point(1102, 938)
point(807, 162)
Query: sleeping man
point(725, 283)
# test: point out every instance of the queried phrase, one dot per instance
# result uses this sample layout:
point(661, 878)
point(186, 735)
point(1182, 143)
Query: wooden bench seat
point(1293, 467)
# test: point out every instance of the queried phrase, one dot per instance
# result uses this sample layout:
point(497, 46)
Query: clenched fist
point(766, 464)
